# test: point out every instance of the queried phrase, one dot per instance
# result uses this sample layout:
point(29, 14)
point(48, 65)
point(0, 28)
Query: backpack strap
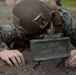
point(56, 18)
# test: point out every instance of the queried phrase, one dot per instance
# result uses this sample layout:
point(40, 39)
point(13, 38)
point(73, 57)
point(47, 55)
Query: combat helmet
point(32, 15)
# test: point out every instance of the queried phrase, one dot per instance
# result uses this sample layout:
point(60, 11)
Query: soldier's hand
point(71, 61)
point(12, 57)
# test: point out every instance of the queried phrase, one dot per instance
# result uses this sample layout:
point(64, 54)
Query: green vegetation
point(67, 3)
point(70, 5)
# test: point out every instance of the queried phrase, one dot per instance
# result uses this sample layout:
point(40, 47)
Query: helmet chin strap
point(56, 17)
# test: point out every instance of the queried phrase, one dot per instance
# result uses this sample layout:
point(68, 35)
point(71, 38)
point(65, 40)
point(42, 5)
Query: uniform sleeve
point(3, 46)
point(69, 26)
point(2, 43)
point(73, 32)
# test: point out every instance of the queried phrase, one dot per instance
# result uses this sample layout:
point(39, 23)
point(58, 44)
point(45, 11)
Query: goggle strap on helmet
point(41, 21)
point(15, 19)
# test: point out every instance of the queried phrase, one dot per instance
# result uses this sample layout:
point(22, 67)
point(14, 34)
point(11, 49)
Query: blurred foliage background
point(70, 5)
point(67, 3)
point(5, 12)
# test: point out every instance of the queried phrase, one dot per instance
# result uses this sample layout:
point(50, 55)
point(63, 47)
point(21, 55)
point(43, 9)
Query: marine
point(29, 24)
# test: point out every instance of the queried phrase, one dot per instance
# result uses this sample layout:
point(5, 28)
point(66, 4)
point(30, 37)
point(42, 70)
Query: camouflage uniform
point(11, 33)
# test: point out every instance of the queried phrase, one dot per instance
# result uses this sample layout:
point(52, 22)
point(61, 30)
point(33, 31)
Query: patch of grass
point(67, 3)
point(73, 12)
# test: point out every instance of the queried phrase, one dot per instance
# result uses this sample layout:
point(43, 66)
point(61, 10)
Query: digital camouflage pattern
point(10, 33)
point(69, 25)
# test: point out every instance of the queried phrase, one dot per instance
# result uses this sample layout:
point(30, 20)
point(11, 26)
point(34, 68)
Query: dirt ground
point(36, 68)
